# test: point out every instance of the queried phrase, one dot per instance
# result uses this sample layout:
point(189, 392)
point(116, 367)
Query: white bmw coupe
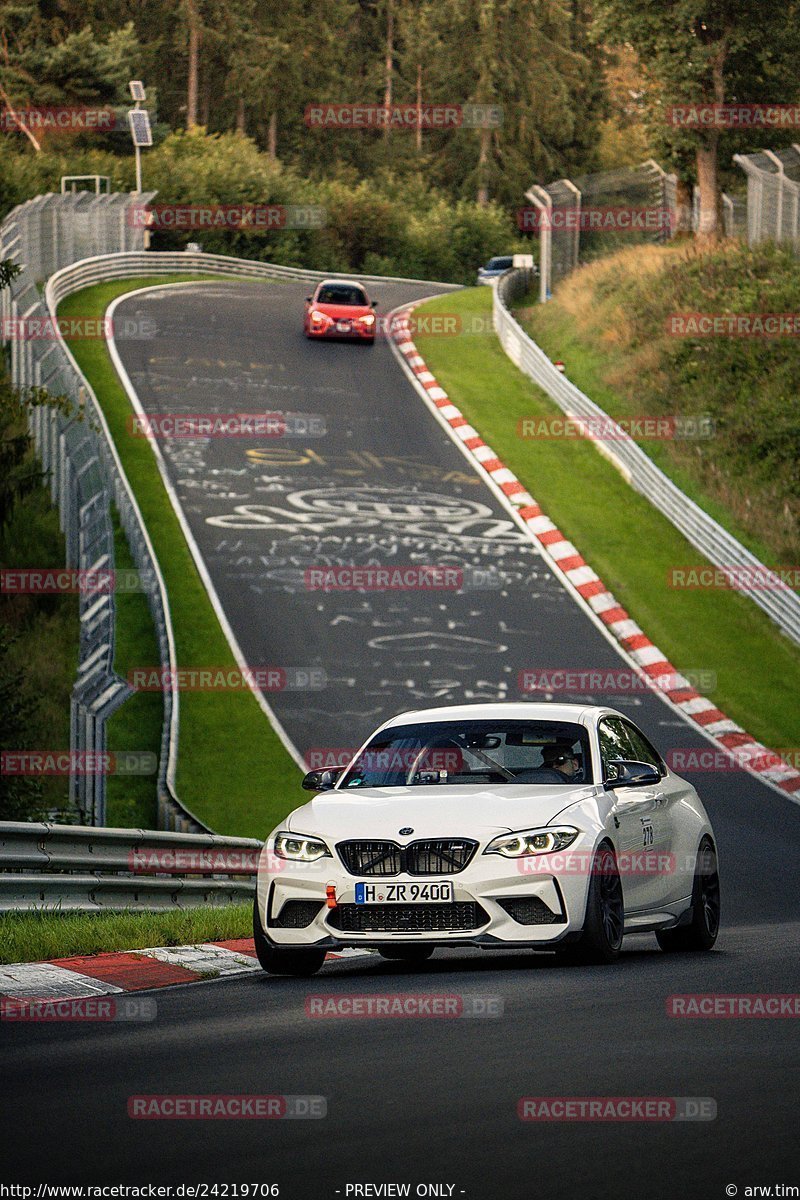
point(541, 826)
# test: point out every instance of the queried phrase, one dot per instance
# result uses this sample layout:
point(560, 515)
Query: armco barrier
point(172, 814)
point(50, 238)
point(81, 868)
point(40, 237)
point(721, 548)
point(135, 263)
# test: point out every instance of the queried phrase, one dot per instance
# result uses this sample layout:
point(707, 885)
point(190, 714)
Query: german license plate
point(405, 893)
point(343, 326)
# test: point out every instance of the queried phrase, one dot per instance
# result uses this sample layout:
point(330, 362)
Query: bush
point(386, 225)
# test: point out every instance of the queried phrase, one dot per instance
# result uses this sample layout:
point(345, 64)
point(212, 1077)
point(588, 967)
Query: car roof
point(340, 282)
point(510, 711)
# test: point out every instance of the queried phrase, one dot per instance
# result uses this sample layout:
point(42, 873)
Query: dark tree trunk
point(389, 63)
point(194, 63)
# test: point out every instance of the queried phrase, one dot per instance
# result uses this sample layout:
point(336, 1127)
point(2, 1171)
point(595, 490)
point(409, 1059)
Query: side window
point(613, 743)
point(642, 750)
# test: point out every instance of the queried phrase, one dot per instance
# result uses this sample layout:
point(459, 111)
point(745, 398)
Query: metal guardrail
point(721, 548)
point(158, 262)
point(84, 869)
point(45, 236)
point(40, 236)
point(172, 814)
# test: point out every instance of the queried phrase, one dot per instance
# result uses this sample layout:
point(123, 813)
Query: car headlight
point(533, 841)
point(369, 319)
point(318, 317)
point(298, 848)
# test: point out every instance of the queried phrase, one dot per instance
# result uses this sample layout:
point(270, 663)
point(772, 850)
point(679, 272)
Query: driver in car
point(561, 758)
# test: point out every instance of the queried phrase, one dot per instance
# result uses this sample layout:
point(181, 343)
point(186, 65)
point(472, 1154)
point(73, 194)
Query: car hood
point(341, 312)
point(464, 811)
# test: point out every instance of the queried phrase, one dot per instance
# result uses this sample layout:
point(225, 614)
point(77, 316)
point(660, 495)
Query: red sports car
point(339, 309)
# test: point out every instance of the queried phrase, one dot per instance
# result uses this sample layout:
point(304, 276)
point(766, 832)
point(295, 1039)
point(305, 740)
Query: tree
point(41, 67)
point(194, 30)
point(701, 53)
point(529, 63)
point(21, 796)
point(19, 473)
point(8, 270)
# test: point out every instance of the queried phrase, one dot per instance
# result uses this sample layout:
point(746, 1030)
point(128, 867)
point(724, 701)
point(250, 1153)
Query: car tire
point(604, 925)
point(701, 932)
point(276, 960)
point(409, 954)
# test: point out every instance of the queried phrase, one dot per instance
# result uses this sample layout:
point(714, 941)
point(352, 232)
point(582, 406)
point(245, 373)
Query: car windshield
point(341, 293)
point(448, 753)
point(499, 264)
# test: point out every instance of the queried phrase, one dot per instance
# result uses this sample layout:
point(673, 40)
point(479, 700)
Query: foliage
point(693, 53)
point(631, 545)
point(44, 934)
point(19, 474)
point(258, 68)
point(20, 795)
point(614, 318)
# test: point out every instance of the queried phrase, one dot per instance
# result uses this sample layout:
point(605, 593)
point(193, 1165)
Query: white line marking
point(595, 604)
point(199, 562)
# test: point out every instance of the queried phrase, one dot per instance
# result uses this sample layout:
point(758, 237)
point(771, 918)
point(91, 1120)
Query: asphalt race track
point(411, 1101)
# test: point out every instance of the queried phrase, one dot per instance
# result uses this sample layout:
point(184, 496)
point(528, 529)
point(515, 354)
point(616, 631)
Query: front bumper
point(356, 333)
point(491, 895)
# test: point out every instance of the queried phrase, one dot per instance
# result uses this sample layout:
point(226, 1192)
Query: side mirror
point(320, 781)
point(309, 299)
point(373, 303)
point(629, 773)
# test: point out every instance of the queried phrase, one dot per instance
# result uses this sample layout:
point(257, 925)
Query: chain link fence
point(85, 476)
point(773, 195)
point(66, 243)
point(594, 215)
point(48, 234)
point(734, 213)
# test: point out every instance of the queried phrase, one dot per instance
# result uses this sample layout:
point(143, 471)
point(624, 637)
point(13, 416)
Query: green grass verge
point(630, 545)
point(587, 365)
point(30, 937)
point(233, 771)
point(131, 800)
point(609, 322)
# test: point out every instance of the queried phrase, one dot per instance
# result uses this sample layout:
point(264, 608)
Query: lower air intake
point(296, 914)
point(530, 910)
point(459, 917)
